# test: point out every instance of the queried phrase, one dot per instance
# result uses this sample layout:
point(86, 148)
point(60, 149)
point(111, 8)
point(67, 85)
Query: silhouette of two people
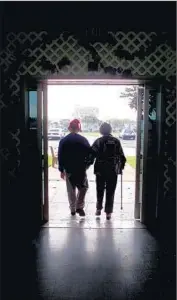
point(75, 156)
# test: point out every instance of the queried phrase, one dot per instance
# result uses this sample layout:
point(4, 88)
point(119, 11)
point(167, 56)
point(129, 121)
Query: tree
point(118, 124)
point(88, 116)
point(131, 94)
point(115, 123)
point(55, 124)
point(90, 122)
point(64, 123)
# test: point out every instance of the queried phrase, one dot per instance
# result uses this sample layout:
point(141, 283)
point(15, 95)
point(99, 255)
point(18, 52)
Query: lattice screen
point(161, 62)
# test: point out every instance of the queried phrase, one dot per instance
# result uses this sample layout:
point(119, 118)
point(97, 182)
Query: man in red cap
point(73, 155)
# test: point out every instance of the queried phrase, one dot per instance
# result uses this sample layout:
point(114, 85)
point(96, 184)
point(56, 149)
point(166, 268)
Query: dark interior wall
point(87, 23)
point(80, 16)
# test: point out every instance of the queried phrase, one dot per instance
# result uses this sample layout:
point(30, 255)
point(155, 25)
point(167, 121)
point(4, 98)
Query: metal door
point(139, 151)
point(42, 123)
point(148, 151)
point(35, 110)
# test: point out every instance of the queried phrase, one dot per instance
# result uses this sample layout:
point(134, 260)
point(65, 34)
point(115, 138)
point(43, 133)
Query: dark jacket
point(73, 153)
point(108, 155)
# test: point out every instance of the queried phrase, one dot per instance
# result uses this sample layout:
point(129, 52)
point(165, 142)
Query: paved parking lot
point(129, 147)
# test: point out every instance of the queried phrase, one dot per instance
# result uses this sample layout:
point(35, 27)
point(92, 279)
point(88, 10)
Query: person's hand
point(62, 175)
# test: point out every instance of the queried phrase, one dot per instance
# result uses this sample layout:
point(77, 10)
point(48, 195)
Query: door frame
point(143, 189)
point(32, 83)
point(160, 146)
point(42, 124)
point(81, 80)
point(137, 207)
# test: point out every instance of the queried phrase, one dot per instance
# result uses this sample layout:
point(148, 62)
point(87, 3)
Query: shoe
point(98, 212)
point(73, 213)
point(81, 212)
point(108, 216)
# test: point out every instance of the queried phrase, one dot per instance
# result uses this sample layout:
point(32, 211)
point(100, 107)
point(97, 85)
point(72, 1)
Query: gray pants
point(81, 183)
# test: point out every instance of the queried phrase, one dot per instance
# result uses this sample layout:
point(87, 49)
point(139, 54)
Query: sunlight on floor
point(59, 213)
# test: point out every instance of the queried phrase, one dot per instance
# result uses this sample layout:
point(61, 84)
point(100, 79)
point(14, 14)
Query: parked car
point(55, 134)
point(127, 134)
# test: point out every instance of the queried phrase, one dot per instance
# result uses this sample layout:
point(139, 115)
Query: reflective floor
point(94, 259)
point(92, 264)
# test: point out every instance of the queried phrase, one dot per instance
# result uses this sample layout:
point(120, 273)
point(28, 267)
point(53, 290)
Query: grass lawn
point(131, 160)
point(96, 134)
point(49, 161)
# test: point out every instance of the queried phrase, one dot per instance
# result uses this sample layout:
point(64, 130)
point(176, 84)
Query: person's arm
point(94, 152)
point(88, 152)
point(87, 145)
point(60, 157)
point(122, 158)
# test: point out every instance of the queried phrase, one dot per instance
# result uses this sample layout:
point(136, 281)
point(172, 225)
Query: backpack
point(107, 160)
point(108, 151)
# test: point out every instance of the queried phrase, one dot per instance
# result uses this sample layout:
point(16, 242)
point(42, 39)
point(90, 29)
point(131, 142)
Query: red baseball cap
point(75, 124)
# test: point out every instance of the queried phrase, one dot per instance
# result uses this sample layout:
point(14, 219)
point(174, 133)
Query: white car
point(55, 134)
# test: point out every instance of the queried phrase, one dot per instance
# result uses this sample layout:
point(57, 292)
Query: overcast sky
point(63, 99)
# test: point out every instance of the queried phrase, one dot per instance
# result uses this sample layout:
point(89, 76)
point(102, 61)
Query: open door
point(139, 152)
point(149, 143)
point(42, 125)
point(36, 136)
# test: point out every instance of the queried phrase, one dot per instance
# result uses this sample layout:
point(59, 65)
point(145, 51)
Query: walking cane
point(121, 205)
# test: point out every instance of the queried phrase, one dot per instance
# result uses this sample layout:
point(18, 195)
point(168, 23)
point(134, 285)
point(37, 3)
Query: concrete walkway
point(128, 174)
point(59, 214)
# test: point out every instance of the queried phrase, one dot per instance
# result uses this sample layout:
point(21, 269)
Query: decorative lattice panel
point(171, 107)
point(26, 53)
point(159, 63)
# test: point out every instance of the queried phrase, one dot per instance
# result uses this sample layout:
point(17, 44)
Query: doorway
point(46, 130)
point(93, 105)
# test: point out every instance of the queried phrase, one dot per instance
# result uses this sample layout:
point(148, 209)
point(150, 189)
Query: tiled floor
point(108, 264)
point(59, 214)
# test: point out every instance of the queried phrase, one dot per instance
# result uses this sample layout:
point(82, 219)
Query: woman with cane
point(109, 162)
